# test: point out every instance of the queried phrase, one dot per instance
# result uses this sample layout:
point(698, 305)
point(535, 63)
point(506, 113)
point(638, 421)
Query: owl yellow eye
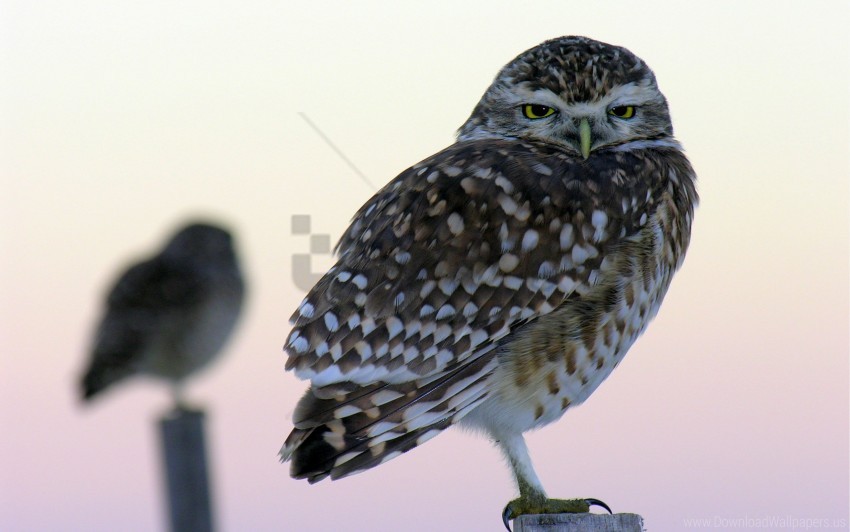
point(622, 111)
point(534, 111)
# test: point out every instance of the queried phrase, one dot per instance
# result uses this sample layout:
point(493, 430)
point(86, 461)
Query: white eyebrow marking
point(634, 93)
point(647, 143)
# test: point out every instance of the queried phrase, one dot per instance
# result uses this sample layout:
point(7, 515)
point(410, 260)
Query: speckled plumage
point(169, 316)
point(498, 282)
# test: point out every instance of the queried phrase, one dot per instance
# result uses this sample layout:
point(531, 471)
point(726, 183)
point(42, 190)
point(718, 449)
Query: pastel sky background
point(121, 119)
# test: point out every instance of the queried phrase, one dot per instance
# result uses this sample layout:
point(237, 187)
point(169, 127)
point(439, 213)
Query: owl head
point(200, 241)
point(574, 92)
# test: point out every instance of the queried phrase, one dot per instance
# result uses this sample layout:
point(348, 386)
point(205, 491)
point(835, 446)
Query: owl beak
point(584, 137)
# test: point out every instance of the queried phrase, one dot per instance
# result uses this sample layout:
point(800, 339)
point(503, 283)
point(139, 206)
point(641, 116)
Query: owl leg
point(532, 498)
point(177, 395)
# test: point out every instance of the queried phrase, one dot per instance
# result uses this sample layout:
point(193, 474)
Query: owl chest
point(197, 339)
point(561, 360)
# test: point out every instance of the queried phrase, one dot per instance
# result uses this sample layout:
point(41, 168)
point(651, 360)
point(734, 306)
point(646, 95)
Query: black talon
point(506, 517)
point(597, 502)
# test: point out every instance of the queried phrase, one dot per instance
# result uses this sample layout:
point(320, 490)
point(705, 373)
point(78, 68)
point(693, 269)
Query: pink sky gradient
point(119, 121)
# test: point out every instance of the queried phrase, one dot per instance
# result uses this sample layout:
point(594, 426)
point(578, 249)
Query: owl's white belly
point(534, 387)
point(189, 347)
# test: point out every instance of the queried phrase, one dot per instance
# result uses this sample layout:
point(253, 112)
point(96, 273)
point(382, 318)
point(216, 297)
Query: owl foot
point(522, 506)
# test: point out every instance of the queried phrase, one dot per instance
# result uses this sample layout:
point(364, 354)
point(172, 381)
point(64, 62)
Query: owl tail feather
point(98, 378)
point(344, 429)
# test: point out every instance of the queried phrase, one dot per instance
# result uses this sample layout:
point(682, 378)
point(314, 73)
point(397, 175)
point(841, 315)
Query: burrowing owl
point(499, 282)
point(169, 316)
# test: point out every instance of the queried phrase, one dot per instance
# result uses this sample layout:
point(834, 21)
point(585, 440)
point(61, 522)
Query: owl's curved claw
point(597, 502)
point(507, 515)
point(508, 512)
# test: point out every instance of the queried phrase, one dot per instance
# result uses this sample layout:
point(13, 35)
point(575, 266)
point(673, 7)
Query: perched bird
point(497, 283)
point(169, 316)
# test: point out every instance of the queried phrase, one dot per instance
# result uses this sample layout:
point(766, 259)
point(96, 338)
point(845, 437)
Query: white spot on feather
point(394, 327)
point(307, 309)
point(453, 171)
point(566, 285)
point(384, 396)
point(504, 184)
point(512, 282)
point(507, 203)
point(412, 327)
point(599, 219)
point(579, 254)
point(327, 376)
point(368, 325)
point(448, 286)
point(331, 322)
point(444, 356)
point(442, 332)
point(541, 168)
point(478, 337)
point(363, 349)
point(417, 409)
point(445, 312)
point(383, 427)
point(534, 284)
point(508, 262)
point(346, 457)
point(427, 436)
point(530, 239)
point(335, 351)
point(399, 299)
point(546, 270)
point(468, 185)
point(426, 289)
point(299, 343)
point(483, 173)
point(423, 420)
point(567, 238)
point(523, 212)
point(455, 223)
point(410, 353)
point(346, 411)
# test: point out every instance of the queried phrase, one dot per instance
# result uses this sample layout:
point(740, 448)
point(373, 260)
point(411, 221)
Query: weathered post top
point(579, 523)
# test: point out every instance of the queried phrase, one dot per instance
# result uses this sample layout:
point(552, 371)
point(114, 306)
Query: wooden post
point(186, 470)
point(579, 523)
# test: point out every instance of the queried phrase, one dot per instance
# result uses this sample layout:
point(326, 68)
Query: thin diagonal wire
point(337, 150)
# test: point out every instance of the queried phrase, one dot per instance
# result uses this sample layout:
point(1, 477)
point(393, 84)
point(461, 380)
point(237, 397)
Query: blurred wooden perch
point(186, 470)
point(579, 523)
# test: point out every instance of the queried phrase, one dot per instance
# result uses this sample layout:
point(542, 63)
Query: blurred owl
point(497, 283)
point(169, 316)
